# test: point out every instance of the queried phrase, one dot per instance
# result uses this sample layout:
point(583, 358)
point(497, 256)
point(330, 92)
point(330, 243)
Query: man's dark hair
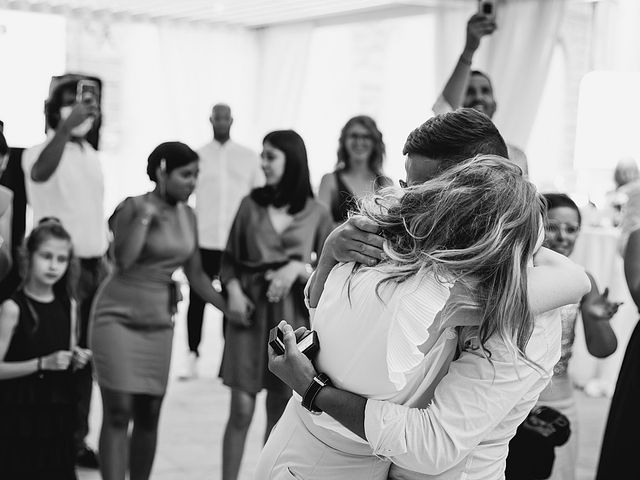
point(456, 136)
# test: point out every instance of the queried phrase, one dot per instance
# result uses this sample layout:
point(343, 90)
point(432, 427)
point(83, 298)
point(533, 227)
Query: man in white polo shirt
point(64, 180)
point(228, 172)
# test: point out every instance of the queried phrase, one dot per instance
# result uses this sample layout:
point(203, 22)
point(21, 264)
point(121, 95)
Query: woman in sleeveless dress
point(132, 318)
point(359, 169)
point(562, 229)
point(37, 360)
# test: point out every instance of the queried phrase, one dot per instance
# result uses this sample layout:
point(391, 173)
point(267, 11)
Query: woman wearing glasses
point(359, 169)
point(562, 230)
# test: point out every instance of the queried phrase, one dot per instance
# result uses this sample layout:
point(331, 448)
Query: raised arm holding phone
point(75, 118)
point(58, 172)
point(471, 88)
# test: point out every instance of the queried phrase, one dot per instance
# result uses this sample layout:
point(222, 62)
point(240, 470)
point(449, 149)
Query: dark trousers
point(92, 273)
point(211, 260)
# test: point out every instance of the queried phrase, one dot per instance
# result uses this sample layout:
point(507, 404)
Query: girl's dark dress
point(37, 412)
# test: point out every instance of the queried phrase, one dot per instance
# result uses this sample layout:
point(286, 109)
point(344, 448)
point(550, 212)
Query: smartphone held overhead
point(487, 8)
point(87, 90)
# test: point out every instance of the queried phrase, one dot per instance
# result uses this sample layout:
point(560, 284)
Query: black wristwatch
point(320, 381)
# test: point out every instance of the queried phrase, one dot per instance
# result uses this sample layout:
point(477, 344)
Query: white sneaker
point(191, 369)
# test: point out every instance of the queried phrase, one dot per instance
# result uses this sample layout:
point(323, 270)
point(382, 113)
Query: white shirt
point(227, 173)
point(392, 344)
point(464, 433)
point(74, 193)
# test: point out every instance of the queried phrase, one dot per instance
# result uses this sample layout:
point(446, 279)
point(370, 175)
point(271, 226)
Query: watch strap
point(320, 381)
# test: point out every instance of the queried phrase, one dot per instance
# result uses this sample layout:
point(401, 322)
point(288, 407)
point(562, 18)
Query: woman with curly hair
point(359, 168)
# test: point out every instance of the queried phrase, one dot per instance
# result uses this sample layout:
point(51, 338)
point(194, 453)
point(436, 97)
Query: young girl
point(37, 358)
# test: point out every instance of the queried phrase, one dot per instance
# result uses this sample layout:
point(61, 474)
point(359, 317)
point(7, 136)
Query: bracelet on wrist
point(320, 381)
point(464, 60)
point(39, 365)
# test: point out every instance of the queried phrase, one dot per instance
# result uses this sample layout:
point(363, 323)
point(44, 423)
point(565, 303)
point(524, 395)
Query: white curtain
point(617, 36)
point(27, 67)
point(283, 55)
point(160, 83)
point(516, 57)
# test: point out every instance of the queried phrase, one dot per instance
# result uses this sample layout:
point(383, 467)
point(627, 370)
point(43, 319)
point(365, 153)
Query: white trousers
point(299, 449)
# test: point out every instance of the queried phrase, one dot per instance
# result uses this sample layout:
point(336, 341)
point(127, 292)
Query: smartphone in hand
point(487, 8)
point(87, 91)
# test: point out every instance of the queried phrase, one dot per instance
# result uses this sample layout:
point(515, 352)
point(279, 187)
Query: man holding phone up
point(64, 180)
point(472, 88)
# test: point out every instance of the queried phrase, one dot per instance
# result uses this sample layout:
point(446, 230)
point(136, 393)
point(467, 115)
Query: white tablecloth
point(597, 251)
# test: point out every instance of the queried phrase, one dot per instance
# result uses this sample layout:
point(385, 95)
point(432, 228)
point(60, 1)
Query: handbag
point(531, 450)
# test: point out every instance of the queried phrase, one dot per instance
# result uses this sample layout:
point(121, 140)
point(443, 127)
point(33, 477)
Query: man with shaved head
point(228, 171)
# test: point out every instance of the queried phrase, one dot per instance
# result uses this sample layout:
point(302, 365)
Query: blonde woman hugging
point(430, 359)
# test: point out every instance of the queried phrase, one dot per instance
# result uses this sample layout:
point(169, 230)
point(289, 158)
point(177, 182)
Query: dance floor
point(195, 413)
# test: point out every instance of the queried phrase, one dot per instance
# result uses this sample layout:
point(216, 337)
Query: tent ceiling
point(248, 13)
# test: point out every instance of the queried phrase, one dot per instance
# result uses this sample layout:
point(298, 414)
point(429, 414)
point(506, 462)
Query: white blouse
point(434, 418)
point(393, 345)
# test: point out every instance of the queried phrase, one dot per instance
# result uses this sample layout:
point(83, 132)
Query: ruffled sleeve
point(415, 320)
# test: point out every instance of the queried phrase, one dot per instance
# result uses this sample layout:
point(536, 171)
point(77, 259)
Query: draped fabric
point(517, 57)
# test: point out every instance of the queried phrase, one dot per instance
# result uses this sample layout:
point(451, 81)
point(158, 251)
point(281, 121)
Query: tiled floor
point(195, 414)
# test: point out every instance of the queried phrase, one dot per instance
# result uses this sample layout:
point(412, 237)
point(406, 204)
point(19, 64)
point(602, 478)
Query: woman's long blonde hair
point(477, 222)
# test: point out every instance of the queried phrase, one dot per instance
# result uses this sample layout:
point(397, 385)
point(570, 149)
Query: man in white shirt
point(472, 88)
point(464, 432)
point(228, 172)
point(64, 180)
